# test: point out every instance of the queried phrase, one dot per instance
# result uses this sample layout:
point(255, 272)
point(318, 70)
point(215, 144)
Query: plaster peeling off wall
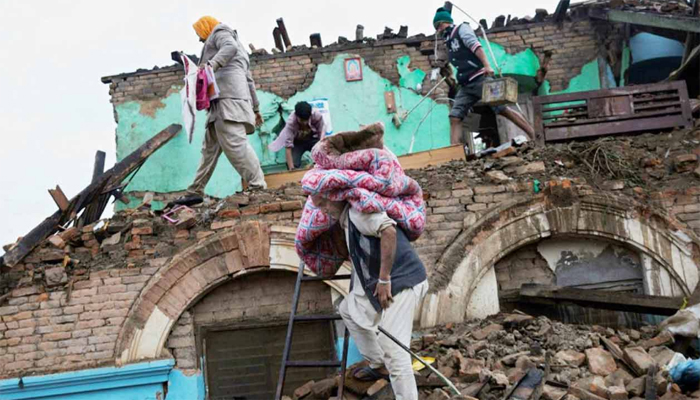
point(588, 79)
point(409, 79)
point(522, 66)
point(351, 104)
point(360, 103)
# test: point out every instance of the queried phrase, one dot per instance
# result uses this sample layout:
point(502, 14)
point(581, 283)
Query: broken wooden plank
point(662, 21)
point(59, 198)
point(561, 11)
point(277, 36)
point(283, 32)
point(94, 210)
point(410, 161)
point(602, 299)
point(112, 177)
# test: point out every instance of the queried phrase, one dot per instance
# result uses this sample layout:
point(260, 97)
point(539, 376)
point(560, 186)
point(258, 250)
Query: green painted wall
point(521, 66)
point(351, 104)
point(409, 79)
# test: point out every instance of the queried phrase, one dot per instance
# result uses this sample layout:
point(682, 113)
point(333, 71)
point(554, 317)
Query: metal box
point(500, 91)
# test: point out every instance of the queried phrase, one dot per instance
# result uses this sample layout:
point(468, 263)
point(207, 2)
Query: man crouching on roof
point(388, 283)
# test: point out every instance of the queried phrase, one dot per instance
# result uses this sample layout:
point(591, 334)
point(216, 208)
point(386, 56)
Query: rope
point(488, 45)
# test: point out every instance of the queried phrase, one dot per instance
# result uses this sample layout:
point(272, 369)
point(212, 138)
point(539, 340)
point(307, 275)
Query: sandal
point(370, 375)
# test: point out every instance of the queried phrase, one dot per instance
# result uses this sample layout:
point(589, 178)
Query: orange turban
point(204, 26)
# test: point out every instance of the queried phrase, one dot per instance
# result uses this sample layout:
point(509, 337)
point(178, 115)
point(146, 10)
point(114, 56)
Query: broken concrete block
point(482, 334)
point(638, 359)
point(571, 357)
point(600, 362)
point(470, 369)
point(303, 391)
point(553, 393)
point(532, 168)
point(187, 219)
point(497, 177)
point(618, 376)
point(324, 388)
point(685, 162)
point(57, 241)
point(594, 384)
point(499, 379)
point(636, 386)
point(584, 394)
point(112, 240)
point(524, 363)
point(664, 338)
point(376, 387)
point(662, 355)
point(617, 393)
point(55, 276)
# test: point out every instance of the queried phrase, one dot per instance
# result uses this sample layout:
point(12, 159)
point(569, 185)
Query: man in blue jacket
point(473, 69)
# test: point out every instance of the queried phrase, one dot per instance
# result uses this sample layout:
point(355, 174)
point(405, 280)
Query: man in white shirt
point(389, 282)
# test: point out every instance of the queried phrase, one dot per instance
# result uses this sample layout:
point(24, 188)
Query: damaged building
point(598, 240)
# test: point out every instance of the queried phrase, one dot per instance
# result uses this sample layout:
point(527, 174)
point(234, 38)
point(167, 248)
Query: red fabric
point(202, 90)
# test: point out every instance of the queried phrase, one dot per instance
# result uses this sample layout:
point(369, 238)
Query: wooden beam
point(99, 167)
point(410, 161)
point(284, 33)
point(59, 198)
point(662, 21)
point(110, 178)
point(608, 300)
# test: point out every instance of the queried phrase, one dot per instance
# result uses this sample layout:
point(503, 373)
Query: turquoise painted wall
point(183, 387)
point(143, 381)
point(351, 104)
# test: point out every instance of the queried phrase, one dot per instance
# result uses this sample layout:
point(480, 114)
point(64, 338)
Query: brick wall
point(56, 317)
point(260, 298)
point(523, 266)
point(572, 45)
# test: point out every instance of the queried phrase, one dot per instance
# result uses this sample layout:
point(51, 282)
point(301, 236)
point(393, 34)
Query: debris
point(638, 359)
point(55, 276)
point(571, 357)
point(107, 182)
point(600, 362)
point(663, 339)
point(532, 168)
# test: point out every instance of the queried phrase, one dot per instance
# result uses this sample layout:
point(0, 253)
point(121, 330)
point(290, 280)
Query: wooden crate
point(500, 91)
point(642, 108)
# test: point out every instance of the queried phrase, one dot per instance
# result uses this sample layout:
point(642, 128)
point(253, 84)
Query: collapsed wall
point(113, 292)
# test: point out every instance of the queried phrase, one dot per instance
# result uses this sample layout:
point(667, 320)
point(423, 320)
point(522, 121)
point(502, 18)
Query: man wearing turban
point(232, 116)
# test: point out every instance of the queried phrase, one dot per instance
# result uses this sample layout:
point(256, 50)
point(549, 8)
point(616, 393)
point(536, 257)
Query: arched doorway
point(225, 299)
point(464, 281)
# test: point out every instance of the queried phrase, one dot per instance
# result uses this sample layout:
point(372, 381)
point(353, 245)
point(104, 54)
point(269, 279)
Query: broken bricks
point(600, 362)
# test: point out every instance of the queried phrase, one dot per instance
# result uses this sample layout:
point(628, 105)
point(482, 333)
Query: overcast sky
point(55, 112)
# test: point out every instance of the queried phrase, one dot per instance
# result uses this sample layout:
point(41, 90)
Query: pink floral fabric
point(371, 181)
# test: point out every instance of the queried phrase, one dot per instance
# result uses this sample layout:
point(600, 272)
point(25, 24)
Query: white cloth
point(362, 320)
point(188, 96)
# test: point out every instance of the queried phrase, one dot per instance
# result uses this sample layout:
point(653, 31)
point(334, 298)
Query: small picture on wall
point(353, 69)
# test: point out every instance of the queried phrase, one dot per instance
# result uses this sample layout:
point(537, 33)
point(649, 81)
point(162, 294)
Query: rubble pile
point(517, 356)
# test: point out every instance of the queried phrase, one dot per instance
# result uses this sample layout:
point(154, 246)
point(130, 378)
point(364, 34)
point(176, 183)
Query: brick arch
point(461, 281)
point(193, 273)
point(185, 279)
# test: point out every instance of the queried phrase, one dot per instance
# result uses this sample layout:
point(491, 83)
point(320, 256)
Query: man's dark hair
point(303, 110)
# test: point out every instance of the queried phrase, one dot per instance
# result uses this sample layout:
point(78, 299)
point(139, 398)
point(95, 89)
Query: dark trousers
point(301, 147)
